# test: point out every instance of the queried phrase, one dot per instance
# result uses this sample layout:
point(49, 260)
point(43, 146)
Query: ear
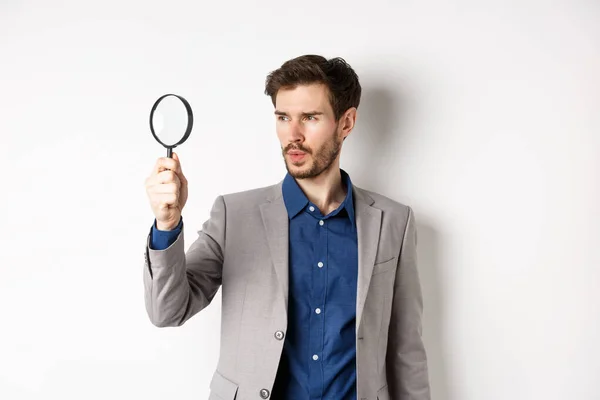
point(347, 122)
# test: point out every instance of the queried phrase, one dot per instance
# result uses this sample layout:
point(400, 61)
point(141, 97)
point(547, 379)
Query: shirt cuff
point(161, 240)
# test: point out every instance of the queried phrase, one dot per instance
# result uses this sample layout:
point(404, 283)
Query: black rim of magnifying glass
point(188, 130)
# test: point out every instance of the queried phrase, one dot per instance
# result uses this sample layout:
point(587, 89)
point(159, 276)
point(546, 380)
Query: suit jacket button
point(279, 335)
point(264, 393)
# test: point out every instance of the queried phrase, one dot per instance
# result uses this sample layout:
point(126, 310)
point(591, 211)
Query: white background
point(483, 117)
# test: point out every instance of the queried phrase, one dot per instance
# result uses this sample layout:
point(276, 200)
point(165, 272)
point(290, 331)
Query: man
point(320, 289)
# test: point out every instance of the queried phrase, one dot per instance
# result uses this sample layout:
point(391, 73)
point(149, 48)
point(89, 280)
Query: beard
point(320, 160)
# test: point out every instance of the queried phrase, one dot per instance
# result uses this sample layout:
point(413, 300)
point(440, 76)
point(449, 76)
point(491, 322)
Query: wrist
point(166, 226)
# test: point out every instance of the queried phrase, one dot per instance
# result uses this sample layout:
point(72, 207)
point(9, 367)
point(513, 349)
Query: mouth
point(296, 155)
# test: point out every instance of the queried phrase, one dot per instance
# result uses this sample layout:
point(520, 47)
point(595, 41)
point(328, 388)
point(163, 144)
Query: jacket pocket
point(222, 388)
point(385, 266)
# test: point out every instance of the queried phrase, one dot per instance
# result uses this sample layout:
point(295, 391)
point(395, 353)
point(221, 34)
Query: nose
point(296, 133)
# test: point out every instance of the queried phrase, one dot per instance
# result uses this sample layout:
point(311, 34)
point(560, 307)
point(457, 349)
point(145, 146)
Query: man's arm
point(406, 360)
point(177, 285)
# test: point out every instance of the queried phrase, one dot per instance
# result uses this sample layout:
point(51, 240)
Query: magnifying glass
point(171, 121)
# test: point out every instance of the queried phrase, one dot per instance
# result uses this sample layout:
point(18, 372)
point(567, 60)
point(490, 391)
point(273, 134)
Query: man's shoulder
point(252, 197)
point(385, 203)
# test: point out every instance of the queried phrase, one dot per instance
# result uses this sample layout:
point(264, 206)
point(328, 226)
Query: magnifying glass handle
point(170, 152)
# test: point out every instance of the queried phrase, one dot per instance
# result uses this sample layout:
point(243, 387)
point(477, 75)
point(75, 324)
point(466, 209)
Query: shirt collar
point(295, 200)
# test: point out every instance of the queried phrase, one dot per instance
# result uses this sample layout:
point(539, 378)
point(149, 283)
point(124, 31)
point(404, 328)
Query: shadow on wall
point(369, 143)
point(375, 147)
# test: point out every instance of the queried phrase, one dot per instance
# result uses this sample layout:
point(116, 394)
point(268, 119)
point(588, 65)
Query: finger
point(166, 163)
point(181, 178)
point(168, 176)
point(164, 188)
point(171, 175)
point(179, 169)
point(166, 200)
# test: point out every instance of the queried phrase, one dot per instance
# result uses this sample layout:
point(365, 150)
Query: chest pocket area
point(385, 266)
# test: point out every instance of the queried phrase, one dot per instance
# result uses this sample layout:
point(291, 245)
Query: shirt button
point(315, 357)
point(279, 335)
point(318, 311)
point(320, 264)
point(264, 393)
point(321, 222)
point(311, 208)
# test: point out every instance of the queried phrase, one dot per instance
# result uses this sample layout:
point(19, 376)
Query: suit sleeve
point(406, 360)
point(177, 285)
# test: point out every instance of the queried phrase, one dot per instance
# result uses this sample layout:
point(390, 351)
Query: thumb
point(178, 170)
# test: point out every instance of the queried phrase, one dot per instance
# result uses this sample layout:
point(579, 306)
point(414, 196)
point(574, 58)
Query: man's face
point(309, 135)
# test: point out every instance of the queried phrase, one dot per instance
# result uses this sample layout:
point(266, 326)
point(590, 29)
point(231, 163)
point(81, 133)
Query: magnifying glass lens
point(171, 121)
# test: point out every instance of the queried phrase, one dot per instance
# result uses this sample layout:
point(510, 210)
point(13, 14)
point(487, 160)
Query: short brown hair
point(336, 74)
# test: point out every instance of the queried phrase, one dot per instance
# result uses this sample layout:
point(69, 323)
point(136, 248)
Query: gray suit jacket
point(243, 248)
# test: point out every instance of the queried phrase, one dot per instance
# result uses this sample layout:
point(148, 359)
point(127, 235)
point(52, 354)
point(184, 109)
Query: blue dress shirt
point(319, 353)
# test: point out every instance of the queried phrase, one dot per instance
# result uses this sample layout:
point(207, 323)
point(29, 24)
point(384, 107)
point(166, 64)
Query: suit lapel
point(368, 225)
point(276, 222)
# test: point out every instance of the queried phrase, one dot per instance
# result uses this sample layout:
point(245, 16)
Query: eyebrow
point(310, 113)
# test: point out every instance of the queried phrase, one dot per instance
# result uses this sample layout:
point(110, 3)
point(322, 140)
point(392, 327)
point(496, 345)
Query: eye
point(282, 118)
point(311, 118)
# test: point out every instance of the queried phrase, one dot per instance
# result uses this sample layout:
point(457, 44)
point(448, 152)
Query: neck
point(326, 190)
